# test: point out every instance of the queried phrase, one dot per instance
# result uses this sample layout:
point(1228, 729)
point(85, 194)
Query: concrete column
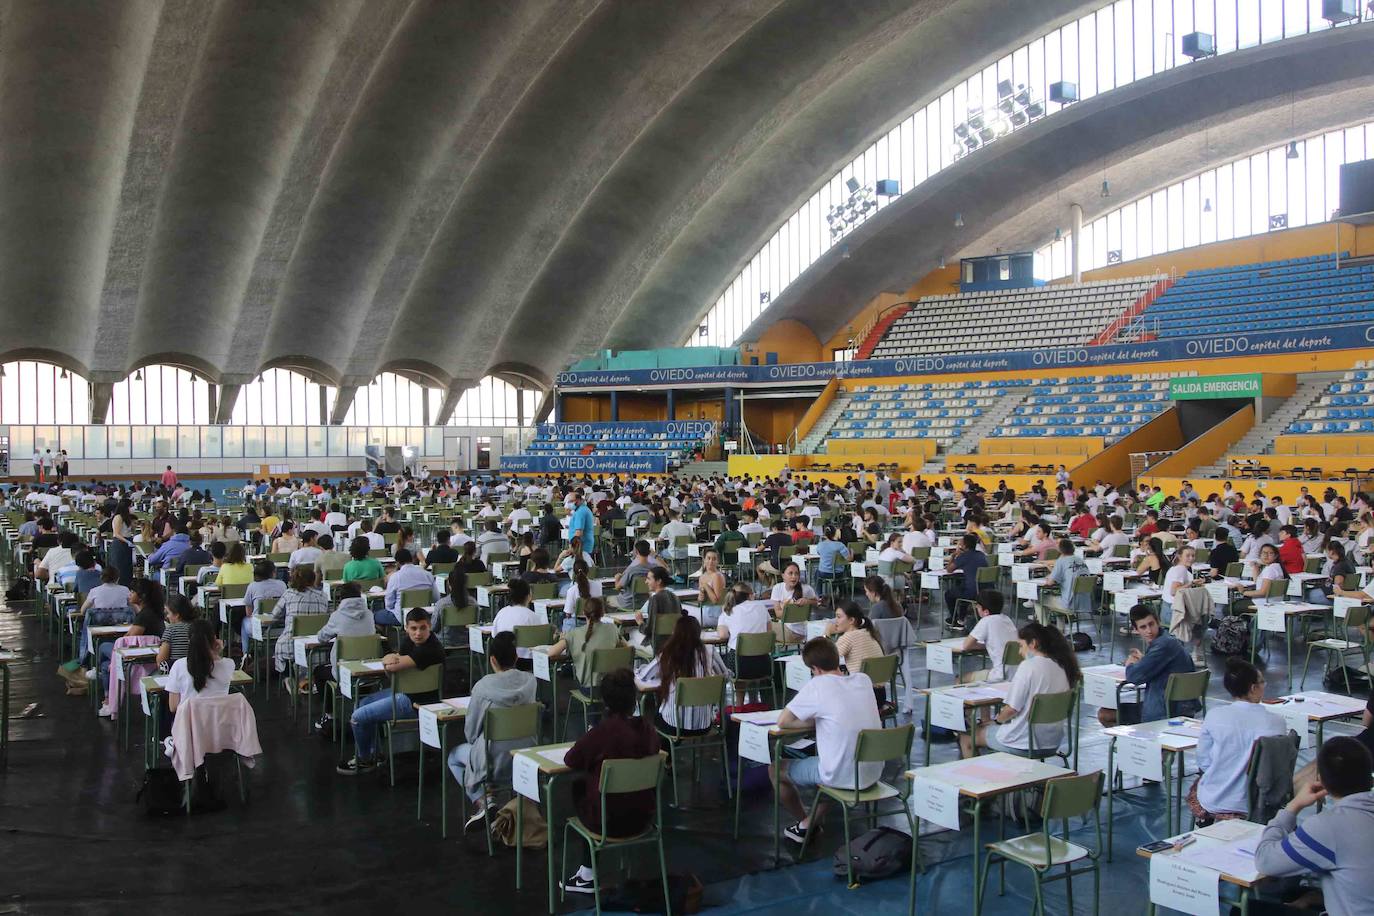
point(731, 411)
point(101, 392)
point(213, 391)
point(520, 404)
point(615, 406)
point(1076, 236)
point(228, 397)
point(342, 402)
point(557, 407)
point(672, 405)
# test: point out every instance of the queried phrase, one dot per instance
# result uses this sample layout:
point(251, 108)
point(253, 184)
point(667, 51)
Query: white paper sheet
point(1028, 591)
point(1099, 690)
point(525, 776)
point(541, 665)
point(475, 640)
point(940, 657)
point(1140, 756)
point(1180, 884)
point(947, 711)
point(936, 801)
point(753, 742)
point(345, 682)
point(429, 726)
point(1271, 619)
point(1295, 716)
point(797, 674)
point(556, 756)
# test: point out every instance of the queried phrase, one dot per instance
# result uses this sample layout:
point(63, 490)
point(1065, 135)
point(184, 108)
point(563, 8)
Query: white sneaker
point(91, 673)
point(105, 711)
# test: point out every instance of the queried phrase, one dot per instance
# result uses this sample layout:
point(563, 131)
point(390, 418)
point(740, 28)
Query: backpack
point(21, 590)
point(879, 853)
point(1336, 678)
point(1232, 636)
point(161, 792)
point(1082, 642)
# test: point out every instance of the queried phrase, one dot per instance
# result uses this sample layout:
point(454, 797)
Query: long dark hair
point(798, 593)
point(1156, 547)
point(1052, 644)
point(580, 570)
point(861, 620)
point(457, 586)
point(681, 656)
point(200, 659)
point(878, 586)
point(593, 609)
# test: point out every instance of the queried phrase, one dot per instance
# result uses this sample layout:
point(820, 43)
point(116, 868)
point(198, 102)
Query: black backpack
point(879, 853)
point(161, 792)
point(1082, 642)
point(1232, 636)
point(21, 590)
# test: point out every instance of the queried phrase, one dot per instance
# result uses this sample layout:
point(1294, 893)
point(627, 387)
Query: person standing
point(37, 464)
point(169, 478)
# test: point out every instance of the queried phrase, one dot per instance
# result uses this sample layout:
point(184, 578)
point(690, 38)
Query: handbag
point(536, 829)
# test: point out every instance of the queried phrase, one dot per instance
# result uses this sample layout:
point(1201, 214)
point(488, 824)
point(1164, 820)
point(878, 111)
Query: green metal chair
point(302, 625)
point(753, 645)
point(351, 648)
point(1047, 709)
point(1066, 797)
point(1083, 585)
point(695, 693)
point(543, 590)
point(882, 671)
point(503, 723)
point(440, 569)
point(1011, 657)
point(228, 593)
point(875, 745)
point(411, 680)
point(622, 776)
point(259, 648)
point(462, 618)
point(792, 614)
point(416, 597)
point(603, 662)
point(535, 634)
point(664, 624)
point(1357, 619)
point(1181, 688)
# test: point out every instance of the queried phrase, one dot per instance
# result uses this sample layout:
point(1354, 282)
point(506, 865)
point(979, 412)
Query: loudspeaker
point(886, 187)
point(1063, 92)
point(1198, 44)
point(1334, 11)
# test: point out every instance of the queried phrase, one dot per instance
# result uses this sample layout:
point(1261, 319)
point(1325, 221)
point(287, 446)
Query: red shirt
point(1147, 528)
point(1082, 525)
point(1291, 556)
point(803, 534)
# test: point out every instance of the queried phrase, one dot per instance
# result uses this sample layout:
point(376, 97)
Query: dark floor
point(313, 841)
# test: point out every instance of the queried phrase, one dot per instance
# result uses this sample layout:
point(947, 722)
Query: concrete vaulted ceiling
point(439, 187)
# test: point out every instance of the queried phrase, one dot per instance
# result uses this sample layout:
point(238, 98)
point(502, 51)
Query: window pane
point(142, 438)
point(210, 442)
point(95, 441)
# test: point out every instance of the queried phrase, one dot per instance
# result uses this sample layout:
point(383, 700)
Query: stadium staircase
point(811, 445)
point(1260, 439)
point(968, 442)
point(1127, 321)
point(880, 327)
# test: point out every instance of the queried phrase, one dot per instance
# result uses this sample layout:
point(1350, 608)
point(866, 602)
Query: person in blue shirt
point(583, 523)
point(168, 553)
point(966, 561)
point(1164, 655)
point(832, 551)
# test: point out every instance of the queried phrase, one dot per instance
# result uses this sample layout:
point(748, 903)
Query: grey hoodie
point(512, 687)
point(1333, 844)
point(351, 618)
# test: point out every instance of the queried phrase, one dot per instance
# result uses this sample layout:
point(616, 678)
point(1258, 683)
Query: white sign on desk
point(525, 776)
point(1341, 606)
point(940, 657)
point(1271, 619)
point(1021, 572)
point(1094, 565)
point(797, 674)
point(1028, 591)
point(857, 570)
point(346, 682)
point(484, 596)
point(1113, 581)
point(475, 639)
point(815, 628)
point(753, 742)
point(947, 711)
point(541, 665)
point(1295, 717)
point(429, 726)
point(1099, 690)
point(1140, 757)
point(931, 581)
point(1124, 601)
point(936, 801)
point(1219, 591)
point(255, 627)
point(300, 650)
point(1181, 885)
point(937, 556)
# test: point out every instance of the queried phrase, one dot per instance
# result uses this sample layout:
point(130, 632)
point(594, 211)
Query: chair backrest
point(1235, 570)
point(1051, 554)
point(1049, 708)
point(987, 575)
point(700, 691)
point(1313, 565)
point(440, 569)
point(1121, 550)
point(1182, 687)
point(1275, 588)
point(881, 669)
point(1070, 796)
point(418, 680)
point(367, 584)
point(795, 613)
point(879, 745)
point(535, 634)
point(1202, 554)
point(621, 775)
point(356, 647)
point(478, 578)
point(543, 590)
point(460, 616)
point(750, 645)
point(639, 585)
point(1084, 585)
point(604, 661)
point(508, 723)
point(416, 597)
point(664, 623)
point(305, 624)
point(233, 591)
point(1011, 656)
point(1355, 619)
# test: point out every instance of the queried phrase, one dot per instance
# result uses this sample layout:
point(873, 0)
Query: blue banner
point(585, 464)
point(1259, 343)
point(690, 430)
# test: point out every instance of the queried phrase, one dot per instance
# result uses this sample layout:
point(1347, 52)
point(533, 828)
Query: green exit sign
point(1245, 385)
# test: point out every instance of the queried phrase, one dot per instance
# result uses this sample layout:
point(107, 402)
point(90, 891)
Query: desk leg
point(777, 802)
point(420, 786)
point(1288, 643)
point(548, 818)
point(1111, 791)
point(977, 857)
point(927, 724)
point(443, 781)
point(4, 715)
point(1178, 792)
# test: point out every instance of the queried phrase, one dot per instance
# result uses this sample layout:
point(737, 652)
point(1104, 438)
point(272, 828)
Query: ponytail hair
point(861, 621)
point(878, 586)
point(584, 588)
point(797, 593)
point(1052, 644)
point(738, 594)
point(594, 609)
point(200, 659)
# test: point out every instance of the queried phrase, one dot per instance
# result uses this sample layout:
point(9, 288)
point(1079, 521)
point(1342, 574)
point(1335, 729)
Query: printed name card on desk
point(161, 681)
point(1094, 565)
point(815, 628)
point(1113, 581)
point(937, 556)
point(1028, 591)
point(947, 710)
point(857, 570)
point(930, 581)
point(797, 675)
point(484, 596)
point(945, 541)
point(1180, 884)
point(1295, 717)
point(1099, 689)
point(541, 663)
point(753, 739)
point(1140, 756)
point(346, 681)
point(1021, 572)
point(1220, 593)
point(940, 657)
point(936, 801)
point(525, 776)
point(1272, 617)
point(1341, 606)
point(429, 723)
point(475, 640)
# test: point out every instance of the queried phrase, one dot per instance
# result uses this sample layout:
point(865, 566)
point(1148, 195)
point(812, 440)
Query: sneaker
point(796, 833)
point(578, 885)
point(476, 818)
point(245, 661)
point(323, 723)
point(105, 711)
point(354, 765)
point(91, 674)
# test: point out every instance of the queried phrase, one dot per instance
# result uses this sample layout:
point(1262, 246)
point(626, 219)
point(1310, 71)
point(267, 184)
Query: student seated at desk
point(580, 642)
point(791, 590)
point(455, 596)
point(993, 632)
point(176, 634)
point(361, 565)
point(839, 706)
point(1267, 570)
point(857, 640)
point(661, 601)
point(408, 574)
point(351, 618)
point(1223, 749)
point(1048, 666)
point(966, 560)
point(330, 563)
point(1164, 655)
point(149, 601)
point(683, 655)
point(833, 553)
point(477, 761)
point(302, 596)
point(1332, 844)
point(539, 568)
point(204, 672)
point(420, 649)
point(106, 605)
point(742, 614)
point(619, 735)
point(517, 613)
point(882, 603)
point(264, 587)
point(711, 587)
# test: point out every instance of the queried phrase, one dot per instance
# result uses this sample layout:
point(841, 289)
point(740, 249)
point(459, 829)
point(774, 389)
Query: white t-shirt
point(304, 556)
point(782, 594)
point(179, 680)
point(1223, 752)
point(1176, 577)
point(995, 631)
point(512, 616)
point(1272, 571)
point(575, 594)
point(1111, 541)
point(1034, 676)
point(840, 706)
point(746, 617)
